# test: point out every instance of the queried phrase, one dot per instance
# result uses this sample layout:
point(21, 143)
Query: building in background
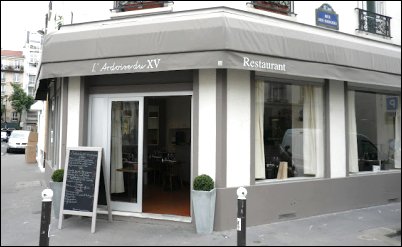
point(297, 101)
point(12, 71)
point(32, 53)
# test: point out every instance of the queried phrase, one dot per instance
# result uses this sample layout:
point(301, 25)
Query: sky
point(17, 17)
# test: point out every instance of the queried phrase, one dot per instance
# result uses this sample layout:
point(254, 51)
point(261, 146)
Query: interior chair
point(171, 175)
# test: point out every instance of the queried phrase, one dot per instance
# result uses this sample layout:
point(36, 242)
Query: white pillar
point(337, 135)
point(238, 128)
point(73, 115)
point(207, 123)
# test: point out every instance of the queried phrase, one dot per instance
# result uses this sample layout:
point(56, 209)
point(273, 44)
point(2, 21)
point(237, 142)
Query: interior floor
point(157, 200)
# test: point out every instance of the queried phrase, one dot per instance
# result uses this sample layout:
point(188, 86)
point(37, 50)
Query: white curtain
point(133, 131)
point(397, 142)
point(116, 162)
point(313, 143)
point(352, 135)
point(259, 130)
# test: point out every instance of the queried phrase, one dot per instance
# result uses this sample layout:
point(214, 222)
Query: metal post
point(47, 195)
point(241, 216)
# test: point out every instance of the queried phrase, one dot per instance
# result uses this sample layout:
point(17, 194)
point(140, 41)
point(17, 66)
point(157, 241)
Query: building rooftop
point(9, 53)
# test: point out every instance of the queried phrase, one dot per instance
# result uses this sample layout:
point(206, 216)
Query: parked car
point(369, 155)
point(9, 131)
point(18, 140)
point(4, 136)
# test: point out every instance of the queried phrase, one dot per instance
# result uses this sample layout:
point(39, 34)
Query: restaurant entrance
point(147, 150)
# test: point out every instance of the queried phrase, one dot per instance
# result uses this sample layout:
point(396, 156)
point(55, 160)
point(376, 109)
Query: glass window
point(15, 116)
point(31, 79)
point(374, 131)
point(16, 77)
point(289, 130)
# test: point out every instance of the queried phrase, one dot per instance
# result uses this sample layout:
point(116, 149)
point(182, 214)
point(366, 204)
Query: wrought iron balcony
point(122, 6)
point(280, 7)
point(12, 68)
point(374, 23)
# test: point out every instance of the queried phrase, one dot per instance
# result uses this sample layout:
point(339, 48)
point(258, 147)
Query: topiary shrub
point(203, 182)
point(57, 175)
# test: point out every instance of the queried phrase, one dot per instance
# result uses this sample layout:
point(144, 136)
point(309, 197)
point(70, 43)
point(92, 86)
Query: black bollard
point(241, 216)
point(47, 195)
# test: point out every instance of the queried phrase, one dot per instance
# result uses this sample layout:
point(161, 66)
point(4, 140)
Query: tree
point(3, 106)
point(20, 101)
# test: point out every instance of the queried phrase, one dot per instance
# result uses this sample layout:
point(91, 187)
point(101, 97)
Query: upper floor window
point(280, 7)
point(17, 63)
point(372, 18)
point(15, 116)
point(31, 79)
point(4, 63)
point(16, 77)
point(374, 6)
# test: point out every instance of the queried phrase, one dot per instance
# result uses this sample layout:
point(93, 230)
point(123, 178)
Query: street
point(21, 187)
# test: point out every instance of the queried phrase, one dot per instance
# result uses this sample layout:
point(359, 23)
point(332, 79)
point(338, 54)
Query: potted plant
point(56, 185)
point(204, 197)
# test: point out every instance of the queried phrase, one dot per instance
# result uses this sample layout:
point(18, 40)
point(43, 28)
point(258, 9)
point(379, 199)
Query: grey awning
point(219, 39)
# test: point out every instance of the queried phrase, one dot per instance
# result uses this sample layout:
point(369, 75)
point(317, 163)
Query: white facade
point(311, 95)
point(304, 12)
point(32, 53)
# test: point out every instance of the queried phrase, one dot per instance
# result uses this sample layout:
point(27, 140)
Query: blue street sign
point(325, 16)
point(392, 103)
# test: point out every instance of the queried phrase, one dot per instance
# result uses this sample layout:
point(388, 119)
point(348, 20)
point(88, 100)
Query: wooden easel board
point(81, 183)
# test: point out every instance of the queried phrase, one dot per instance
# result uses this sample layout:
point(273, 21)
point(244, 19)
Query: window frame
point(382, 92)
point(321, 83)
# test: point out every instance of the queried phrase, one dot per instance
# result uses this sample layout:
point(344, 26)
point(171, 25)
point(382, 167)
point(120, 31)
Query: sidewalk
point(20, 222)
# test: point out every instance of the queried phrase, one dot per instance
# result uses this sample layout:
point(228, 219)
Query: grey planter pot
point(204, 210)
point(57, 189)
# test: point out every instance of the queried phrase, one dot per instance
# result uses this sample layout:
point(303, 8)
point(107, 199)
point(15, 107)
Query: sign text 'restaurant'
point(263, 64)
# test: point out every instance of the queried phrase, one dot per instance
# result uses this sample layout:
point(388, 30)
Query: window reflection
point(289, 130)
point(374, 131)
point(124, 151)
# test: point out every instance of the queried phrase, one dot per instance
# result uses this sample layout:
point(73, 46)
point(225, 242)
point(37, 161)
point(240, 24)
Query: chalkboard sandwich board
point(81, 183)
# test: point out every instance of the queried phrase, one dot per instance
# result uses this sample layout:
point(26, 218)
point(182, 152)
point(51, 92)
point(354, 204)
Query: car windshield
point(19, 134)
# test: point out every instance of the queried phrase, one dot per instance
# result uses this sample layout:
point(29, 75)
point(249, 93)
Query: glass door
point(125, 153)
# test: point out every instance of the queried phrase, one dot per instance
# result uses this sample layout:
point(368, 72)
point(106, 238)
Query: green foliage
point(58, 175)
point(203, 182)
point(20, 100)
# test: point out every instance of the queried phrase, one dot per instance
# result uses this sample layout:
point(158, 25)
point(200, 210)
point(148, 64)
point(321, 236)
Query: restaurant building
point(305, 117)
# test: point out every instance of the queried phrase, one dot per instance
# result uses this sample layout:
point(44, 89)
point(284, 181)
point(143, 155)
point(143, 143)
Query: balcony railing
point(374, 23)
point(12, 68)
point(280, 7)
point(122, 6)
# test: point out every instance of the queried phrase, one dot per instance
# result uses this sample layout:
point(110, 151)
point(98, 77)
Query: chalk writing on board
point(80, 183)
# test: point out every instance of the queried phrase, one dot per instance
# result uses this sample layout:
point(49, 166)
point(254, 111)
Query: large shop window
point(374, 131)
point(289, 130)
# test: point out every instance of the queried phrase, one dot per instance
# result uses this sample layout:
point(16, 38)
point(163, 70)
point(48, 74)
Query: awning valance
point(223, 38)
